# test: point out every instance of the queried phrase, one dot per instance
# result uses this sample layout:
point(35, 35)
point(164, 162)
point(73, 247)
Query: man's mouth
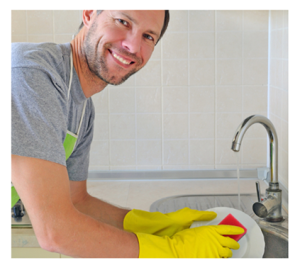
point(121, 59)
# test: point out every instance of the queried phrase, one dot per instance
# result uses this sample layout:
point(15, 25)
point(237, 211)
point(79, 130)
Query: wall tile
point(202, 72)
point(283, 167)
point(148, 100)
point(255, 71)
point(178, 21)
point(256, 20)
point(149, 126)
point(172, 51)
point(100, 101)
point(149, 152)
point(122, 126)
point(156, 55)
point(202, 99)
point(202, 20)
point(202, 152)
point(255, 44)
point(123, 153)
point(175, 126)
point(255, 98)
point(18, 38)
point(40, 22)
point(175, 99)
point(284, 143)
point(276, 19)
point(202, 45)
point(229, 44)
point(101, 127)
point(122, 100)
point(284, 106)
point(66, 21)
point(224, 154)
point(229, 20)
point(176, 152)
point(202, 125)
point(150, 74)
point(40, 38)
point(63, 38)
point(227, 124)
point(229, 99)
point(255, 151)
point(276, 43)
point(285, 44)
point(99, 155)
point(276, 72)
point(175, 72)
point(229, 71)
point(18, 22)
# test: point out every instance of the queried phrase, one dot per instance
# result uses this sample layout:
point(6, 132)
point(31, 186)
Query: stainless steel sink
point(275, 233)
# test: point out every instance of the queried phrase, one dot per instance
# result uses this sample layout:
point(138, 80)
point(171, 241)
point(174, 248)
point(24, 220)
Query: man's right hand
point(200, 242)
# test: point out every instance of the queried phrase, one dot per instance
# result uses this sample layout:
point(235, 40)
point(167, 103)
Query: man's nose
point(132, 43)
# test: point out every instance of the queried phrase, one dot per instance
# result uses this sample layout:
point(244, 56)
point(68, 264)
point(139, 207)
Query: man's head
point(119, 43)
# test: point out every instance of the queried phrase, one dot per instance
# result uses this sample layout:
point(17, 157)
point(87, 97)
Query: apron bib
point(70, 139)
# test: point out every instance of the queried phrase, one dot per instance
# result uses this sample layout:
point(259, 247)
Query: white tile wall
point(208, 73)
point(279, 86)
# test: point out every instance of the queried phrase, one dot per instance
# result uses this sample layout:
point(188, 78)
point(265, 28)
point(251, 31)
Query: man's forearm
point(102, 211)
point(85, 237)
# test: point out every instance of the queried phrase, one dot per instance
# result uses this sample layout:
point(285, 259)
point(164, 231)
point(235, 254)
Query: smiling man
point(52, 130)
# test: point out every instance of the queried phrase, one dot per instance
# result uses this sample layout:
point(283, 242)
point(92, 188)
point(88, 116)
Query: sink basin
point(275, 234)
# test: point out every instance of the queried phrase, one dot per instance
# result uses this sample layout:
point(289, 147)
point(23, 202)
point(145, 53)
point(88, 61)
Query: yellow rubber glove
point(199, 242)
point(161, 224)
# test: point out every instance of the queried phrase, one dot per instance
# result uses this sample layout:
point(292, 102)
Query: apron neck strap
point(71, 73)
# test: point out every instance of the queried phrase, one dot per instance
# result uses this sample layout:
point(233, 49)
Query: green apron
point(69, 142)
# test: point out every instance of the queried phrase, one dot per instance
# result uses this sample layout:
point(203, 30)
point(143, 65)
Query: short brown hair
point(163, 30)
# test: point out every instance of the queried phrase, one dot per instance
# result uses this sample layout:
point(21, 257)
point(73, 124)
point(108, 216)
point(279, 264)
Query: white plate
point(252, 244)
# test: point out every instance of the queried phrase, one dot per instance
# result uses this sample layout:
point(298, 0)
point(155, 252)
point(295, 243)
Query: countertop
point(140, 194)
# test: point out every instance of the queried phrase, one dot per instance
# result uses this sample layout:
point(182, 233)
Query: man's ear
point(87, 16)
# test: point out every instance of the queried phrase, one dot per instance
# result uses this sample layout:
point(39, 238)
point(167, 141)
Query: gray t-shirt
point(41, 111)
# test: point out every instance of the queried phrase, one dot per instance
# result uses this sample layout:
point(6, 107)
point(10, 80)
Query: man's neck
point(89, 82)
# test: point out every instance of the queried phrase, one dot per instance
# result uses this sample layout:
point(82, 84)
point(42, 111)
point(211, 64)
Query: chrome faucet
point(270, 206)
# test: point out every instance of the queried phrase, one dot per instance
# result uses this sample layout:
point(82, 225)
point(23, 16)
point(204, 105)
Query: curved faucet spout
point(238, 137)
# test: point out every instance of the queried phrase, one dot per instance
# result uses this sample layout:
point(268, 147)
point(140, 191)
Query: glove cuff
point(152, 246)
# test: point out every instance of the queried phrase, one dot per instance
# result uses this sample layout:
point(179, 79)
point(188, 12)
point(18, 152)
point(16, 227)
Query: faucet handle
point(258, 191)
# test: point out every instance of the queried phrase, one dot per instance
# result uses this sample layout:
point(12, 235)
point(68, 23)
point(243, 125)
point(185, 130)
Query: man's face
point(119, 43)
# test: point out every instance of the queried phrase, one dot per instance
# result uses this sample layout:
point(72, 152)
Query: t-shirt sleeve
point(78, 162)
point(38, 117)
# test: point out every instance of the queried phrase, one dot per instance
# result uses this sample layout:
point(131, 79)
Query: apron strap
point(82, 115)
point(71, 73)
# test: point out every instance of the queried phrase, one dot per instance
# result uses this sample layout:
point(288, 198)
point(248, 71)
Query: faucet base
point(275, 219)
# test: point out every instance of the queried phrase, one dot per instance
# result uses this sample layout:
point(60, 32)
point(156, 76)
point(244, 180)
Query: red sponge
point(231, 220)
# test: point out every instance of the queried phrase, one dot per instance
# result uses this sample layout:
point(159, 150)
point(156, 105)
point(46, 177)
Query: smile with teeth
point(121, 59)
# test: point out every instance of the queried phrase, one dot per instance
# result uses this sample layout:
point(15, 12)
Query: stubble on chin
point(97, 65)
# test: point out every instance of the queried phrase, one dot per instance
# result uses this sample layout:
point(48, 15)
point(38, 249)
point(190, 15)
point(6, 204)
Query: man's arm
point(59, 227)
point(95, 208)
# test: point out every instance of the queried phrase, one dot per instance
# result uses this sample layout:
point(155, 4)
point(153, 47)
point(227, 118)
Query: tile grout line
point(189, 93)
point(135, 118)
point(109, 130)
point(241, 154)
point(53, 25)
point(162, 107)
point(26, 25)
point(215, 97)
point(269, 72)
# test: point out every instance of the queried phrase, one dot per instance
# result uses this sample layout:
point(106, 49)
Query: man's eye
point(148, 37)
point(123, 22)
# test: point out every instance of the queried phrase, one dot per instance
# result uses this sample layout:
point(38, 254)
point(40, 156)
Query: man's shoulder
point(37, 55)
